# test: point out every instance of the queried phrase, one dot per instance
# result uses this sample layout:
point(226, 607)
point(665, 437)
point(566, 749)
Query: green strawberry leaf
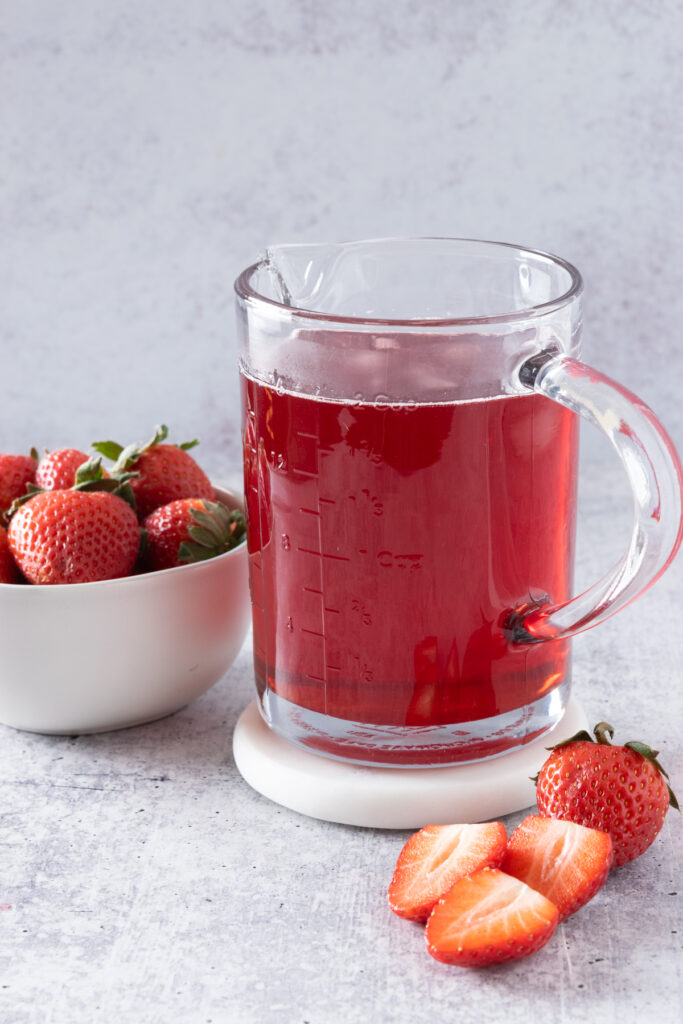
point(126, 493)
point(109, 449)
point(645, 751)
point(118, 486)
point(205, 538)
point(89, 471)
point(214, 531)
point(186, 445)
point(127, 458)
point(160, 434)
point(652, 755)
point(579, 737)
point(213, 520)
point(188, 552)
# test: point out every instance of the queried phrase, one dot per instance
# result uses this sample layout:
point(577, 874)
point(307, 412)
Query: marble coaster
point(400, 798)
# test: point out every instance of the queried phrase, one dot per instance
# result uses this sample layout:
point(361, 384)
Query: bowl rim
point(227, 497)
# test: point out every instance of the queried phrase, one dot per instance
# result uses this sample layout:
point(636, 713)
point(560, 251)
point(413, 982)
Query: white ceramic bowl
point(96, 656)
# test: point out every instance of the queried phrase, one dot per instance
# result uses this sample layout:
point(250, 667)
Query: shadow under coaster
point(400, 798)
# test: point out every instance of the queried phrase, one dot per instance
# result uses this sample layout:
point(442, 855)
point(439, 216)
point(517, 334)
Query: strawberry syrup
point(388, 543)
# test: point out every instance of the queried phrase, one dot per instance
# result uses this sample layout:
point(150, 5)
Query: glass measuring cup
point(410, 451)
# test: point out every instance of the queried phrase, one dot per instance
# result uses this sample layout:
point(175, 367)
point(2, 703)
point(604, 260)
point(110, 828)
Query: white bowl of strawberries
point(123, 591)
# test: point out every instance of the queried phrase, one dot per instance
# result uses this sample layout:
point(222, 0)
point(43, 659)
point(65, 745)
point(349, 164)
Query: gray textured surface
point(143, 881)
point(149, 151)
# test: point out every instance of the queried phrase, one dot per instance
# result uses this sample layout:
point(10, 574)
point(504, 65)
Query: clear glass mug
point(410, 453)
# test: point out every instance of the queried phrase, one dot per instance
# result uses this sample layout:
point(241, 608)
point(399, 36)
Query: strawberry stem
point(603, 733)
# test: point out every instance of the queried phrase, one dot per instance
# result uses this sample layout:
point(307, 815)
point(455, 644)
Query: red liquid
point(388, 544)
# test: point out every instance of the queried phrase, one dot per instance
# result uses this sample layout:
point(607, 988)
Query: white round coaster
point(400, 798)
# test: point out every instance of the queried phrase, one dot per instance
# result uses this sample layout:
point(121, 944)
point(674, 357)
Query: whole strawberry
point(57, 470)
point(8, 570)
point(162, 472)
point(16, 471)
point(190, 530)
point(616, 789)
point(74, 536)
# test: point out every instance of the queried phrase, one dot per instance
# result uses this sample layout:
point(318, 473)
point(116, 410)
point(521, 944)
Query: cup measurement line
point(321, 554)
point(307, 439)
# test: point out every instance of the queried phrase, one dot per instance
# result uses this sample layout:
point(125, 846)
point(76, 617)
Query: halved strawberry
point(489, 917)
point(566, 862)
point(435, 858)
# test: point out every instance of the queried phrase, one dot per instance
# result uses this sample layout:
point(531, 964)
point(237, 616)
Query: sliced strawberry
point(565, 862)
point(435, 858)
point(489, 917)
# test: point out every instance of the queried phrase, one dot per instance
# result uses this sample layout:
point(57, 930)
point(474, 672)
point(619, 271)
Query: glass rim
point(249, 295)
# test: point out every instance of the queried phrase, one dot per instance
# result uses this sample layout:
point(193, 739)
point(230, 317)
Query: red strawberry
point(57, 470)
point(75, 536)
point(619, 790)
point(564, 861)
point(489, 917)
point(16, 471)
point(190, 530)
point(163, 472)
point(8, 569)
point(435, 858)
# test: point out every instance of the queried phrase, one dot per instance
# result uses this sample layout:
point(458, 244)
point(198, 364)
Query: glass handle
point(656, 477)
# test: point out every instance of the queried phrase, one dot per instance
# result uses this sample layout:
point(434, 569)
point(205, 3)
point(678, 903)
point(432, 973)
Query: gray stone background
point(148, 151)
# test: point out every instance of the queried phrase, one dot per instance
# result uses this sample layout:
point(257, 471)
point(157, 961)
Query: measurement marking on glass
point(313, 453)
